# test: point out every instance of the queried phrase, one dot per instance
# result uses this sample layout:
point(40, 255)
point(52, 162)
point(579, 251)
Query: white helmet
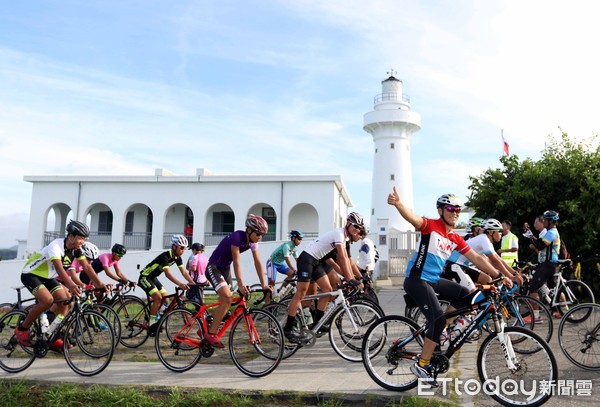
point(448, 199)
point(491, 224)
point(179, 240)
point(90, 250)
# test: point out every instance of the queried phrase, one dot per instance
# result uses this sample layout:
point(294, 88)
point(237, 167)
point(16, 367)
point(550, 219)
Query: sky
point(107, 87)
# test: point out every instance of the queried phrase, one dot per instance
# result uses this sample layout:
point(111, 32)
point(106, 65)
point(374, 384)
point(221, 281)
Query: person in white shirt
point(366, 255)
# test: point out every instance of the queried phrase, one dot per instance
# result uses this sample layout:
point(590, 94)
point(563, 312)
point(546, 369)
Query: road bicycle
point(87, 346)
point(9, 306)
point(508, 358)
point(255, 337)
point(134, 315)
point(579, 336)
point(345, 322)
point(565, 294)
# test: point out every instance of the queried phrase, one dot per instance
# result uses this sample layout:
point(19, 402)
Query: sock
point(289, 324)
point(536, 313)
point(152, 318)
point(423, 362)
point(318, 315)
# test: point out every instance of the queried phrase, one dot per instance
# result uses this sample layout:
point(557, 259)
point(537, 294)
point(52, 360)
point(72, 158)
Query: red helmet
point(257, 224)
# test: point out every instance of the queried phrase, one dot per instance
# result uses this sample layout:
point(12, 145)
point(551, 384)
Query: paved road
point(316, 370)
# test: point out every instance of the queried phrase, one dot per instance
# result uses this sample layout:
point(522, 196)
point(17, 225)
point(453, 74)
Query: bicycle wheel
point(111, 315)
point(522, 310)
point(177, 343)
point(14, 358)
point(280, 312)
point(5, 308)
point(347, 329)
point(515, 387)
point(575, 292)
point(88, 343)
point(134, 316)
point(387, 363)
point(256, 343)
point(579, 335)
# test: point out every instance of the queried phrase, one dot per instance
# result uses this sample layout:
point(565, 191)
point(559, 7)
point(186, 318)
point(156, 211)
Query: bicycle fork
point(505, 343)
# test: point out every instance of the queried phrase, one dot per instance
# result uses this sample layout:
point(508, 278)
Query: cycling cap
point(179, 240)
point(491, 224)
point(78, 228)
point(474, 223)
point(119, 249)
point(448, 199)
point(90, 250)
point(296, 234)
point(356, 219)
point(553, 215)
point(257, 224)
point(197, 246)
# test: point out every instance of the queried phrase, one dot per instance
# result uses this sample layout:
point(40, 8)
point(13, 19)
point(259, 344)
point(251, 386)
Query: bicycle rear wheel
point(134, 315)
point(514, 388)
point(89, 343)
point(347, 329)
point(14, 358)
point(522, 310)
point(112, 317)
point(280, 312)
point(256, 343)
point(579, 336)
point(386, 363)
point(177, 344)
point(575, 292)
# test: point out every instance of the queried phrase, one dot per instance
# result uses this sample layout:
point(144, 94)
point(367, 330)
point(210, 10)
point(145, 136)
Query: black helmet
point(78, 228)
point(119, 249)
point(197, 246)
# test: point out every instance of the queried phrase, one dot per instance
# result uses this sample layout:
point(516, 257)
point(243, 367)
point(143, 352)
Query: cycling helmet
point(448, 199)
point(197, 246)
point(257, 224)
point(356, 219)
point(296, 234)
point(491, 224)
point(474, 223)
point(90, 250)
point(552, 215)
point(119, 249)
point(179, 240)
point(78, 228)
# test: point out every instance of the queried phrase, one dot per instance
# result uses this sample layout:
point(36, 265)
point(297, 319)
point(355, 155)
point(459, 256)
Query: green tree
point(566, 179)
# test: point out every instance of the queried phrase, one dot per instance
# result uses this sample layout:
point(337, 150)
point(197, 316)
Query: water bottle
point(55, 324)
point(459, 325)
point(163, 308)
point(307, 316)
point(544, 292)
point(44, 324)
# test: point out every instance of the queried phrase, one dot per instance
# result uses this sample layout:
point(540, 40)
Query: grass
point(32, 394)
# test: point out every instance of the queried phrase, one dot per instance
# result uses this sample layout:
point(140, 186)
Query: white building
point(143, 212)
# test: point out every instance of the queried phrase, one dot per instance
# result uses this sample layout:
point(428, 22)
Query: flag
point(505, 144)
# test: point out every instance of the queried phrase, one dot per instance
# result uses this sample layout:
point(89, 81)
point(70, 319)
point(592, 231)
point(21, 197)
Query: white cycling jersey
point(481, 244)
point(325, 244)
point(40, 263)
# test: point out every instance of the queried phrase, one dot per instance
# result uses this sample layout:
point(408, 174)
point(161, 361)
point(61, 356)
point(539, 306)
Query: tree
point(565, 179)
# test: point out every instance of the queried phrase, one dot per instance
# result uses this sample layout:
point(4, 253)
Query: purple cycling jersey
point(221, 257)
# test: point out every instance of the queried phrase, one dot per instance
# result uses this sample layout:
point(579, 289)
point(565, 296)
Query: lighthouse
point(391, 123)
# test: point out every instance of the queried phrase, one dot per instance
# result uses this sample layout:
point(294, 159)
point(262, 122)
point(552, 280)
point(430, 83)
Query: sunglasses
point(118, 255)
point(452, 209)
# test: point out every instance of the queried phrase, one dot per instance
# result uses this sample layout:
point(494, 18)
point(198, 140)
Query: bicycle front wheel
point(280, 312)
point(514, 387)
point(389, 349)
point(89, 343)
point(579, 336)
point(14, 358)
point(177, 344)
point(348, 329)
point(573, 293)
point(256, 343)
point(134, 316)
point(112, 317)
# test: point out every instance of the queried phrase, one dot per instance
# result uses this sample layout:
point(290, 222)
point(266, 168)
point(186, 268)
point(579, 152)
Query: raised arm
point(405, 212)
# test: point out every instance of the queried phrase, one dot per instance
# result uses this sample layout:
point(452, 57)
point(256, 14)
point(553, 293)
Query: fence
point(401, 247)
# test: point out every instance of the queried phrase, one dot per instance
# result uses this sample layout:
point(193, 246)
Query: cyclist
point(148, 279)
point(107, 260)
point(425, 267)
point(39, 274)
point(366, 254)
point(280, 262)
point(473, 227)
point(196, 266)
point(312, 265)
point(549, 249)
point(218, 271)
point(509, 246)
point(90, 251)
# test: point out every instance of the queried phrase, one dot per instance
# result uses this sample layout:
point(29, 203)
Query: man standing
point(509, 246)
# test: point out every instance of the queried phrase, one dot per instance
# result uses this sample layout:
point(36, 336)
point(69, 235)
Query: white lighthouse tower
point(391, 124)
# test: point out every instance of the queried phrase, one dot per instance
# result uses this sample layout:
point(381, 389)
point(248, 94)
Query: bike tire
point(134, 315)
point(280, 312)
point(177, 343)
point(579, 335)
point(256, 342)
point(88, 346)
point(348, 328)
point(525, 306)
point(14, 358)
point(6, 307)
point(386, 364)
point(582, 294)
point(112, 317)
point(533, 368)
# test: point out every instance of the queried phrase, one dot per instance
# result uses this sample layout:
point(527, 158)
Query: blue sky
point(124, 87)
